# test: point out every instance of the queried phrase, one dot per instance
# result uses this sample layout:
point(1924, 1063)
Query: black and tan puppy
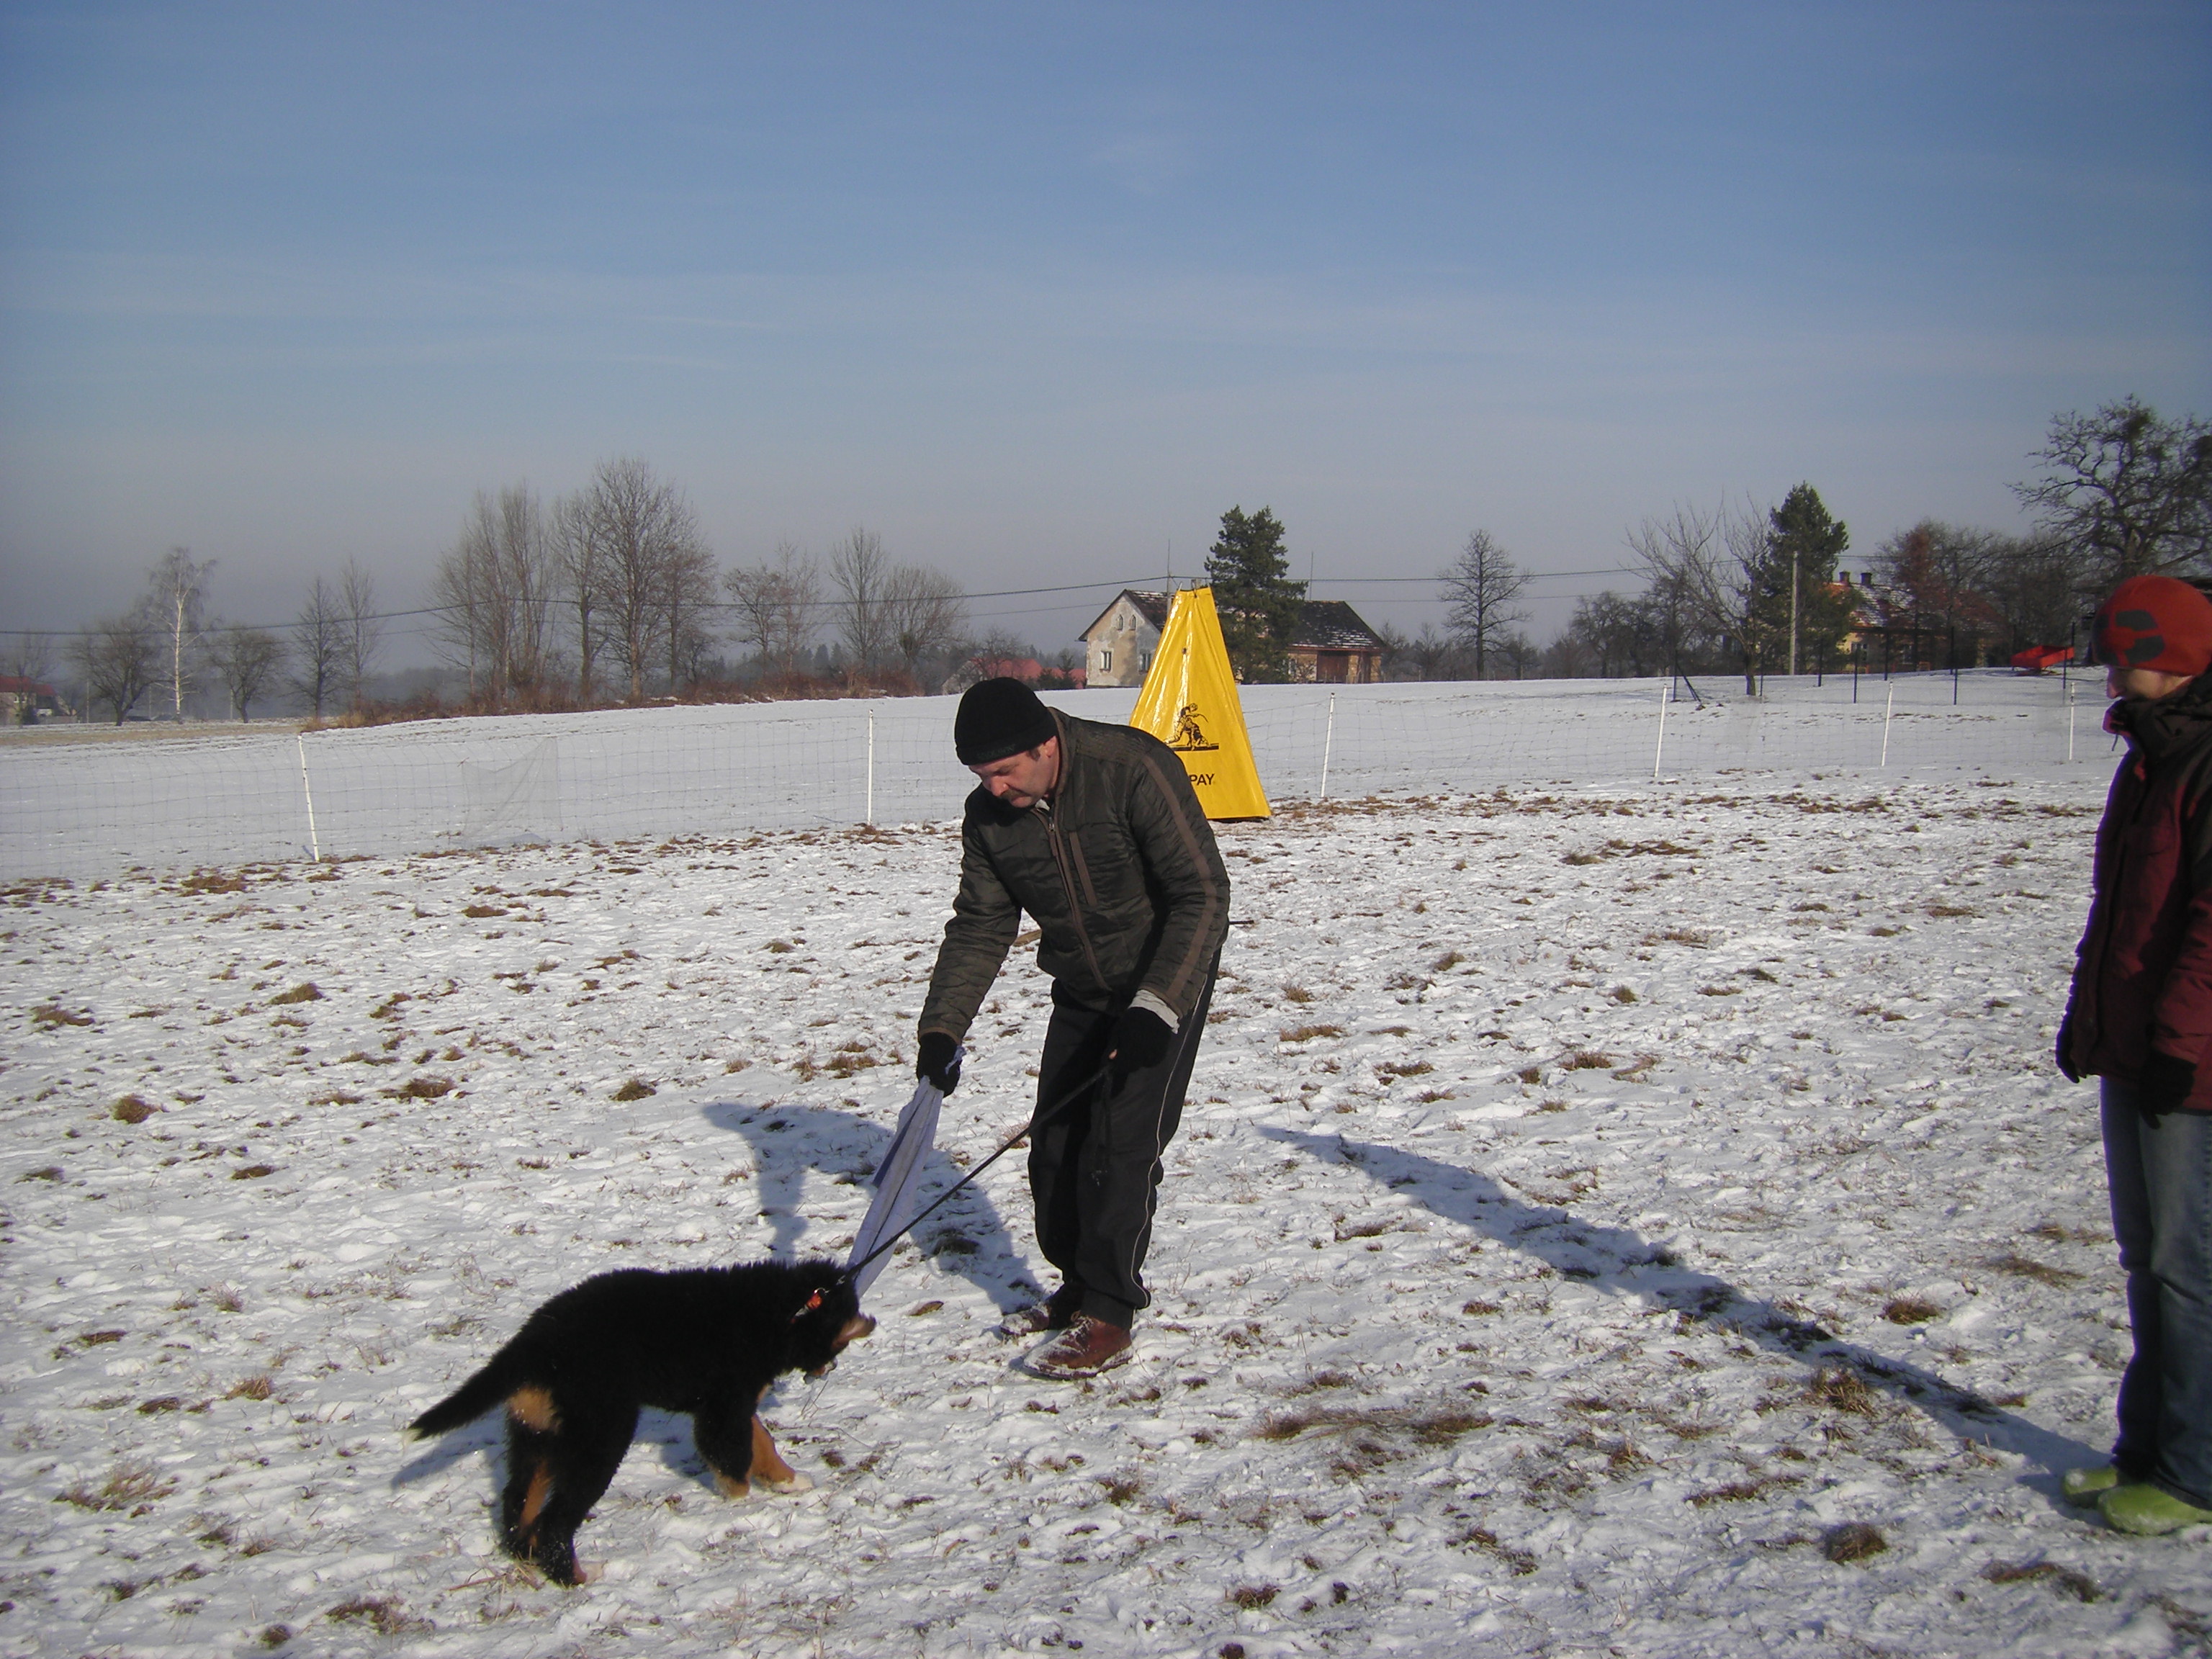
point(708, 1342)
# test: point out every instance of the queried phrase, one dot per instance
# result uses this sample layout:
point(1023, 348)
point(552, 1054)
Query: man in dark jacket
point(2141, 1018)
point(1092, 829)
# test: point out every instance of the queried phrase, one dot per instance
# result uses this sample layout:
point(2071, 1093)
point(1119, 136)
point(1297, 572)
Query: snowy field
point(1624, 1221)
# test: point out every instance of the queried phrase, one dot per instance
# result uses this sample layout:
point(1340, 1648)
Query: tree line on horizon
point(1743, 587)
point(611, 594)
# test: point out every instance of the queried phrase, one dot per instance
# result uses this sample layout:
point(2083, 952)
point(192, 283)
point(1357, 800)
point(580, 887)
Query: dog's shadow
point(668, 1433)
point(1629, 1264)
point(967, 1239)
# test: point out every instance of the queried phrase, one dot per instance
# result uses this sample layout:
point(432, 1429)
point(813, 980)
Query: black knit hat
point(998, 718)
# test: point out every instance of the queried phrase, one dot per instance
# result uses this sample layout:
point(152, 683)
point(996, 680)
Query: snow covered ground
point(1635, 1221)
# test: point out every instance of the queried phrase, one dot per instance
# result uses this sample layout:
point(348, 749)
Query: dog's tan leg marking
point(533, 1408)
point(534, 1501)
point(731, 1488)
point(769, 1469)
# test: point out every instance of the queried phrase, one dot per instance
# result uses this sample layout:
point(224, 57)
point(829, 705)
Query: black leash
point(1042, 1115)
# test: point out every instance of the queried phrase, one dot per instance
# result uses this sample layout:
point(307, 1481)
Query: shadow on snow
point(1631, 1264)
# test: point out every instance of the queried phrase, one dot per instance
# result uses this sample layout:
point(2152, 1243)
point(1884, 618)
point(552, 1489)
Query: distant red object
point(2037, 658)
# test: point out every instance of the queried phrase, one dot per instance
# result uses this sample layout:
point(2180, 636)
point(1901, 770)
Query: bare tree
point(639, 528)
point(117, 657)
point(1936, 583)
point(247, 659)
point(862, 573)
point(176, 599)
point(317, 646)
point(361, 632)
point(496, 591)
point(575, 535)
point(1479, 587)
point(777, 607)
point(2127, 492)
point(924, 616)
point(687, 589)
point(1704, 569)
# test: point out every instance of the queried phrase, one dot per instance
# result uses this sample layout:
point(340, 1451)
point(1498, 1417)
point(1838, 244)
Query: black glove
point(2065, 1051)
point(938, 1061)
point(1140, 1040)
point(2165, 1084)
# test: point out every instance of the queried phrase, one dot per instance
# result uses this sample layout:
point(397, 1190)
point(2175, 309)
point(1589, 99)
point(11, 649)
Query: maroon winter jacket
point(2143, 976)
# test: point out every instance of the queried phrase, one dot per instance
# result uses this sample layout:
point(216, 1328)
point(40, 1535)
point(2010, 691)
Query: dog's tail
point(487, 1387)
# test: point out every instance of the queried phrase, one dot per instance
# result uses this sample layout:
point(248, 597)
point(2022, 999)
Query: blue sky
point(1036, 292)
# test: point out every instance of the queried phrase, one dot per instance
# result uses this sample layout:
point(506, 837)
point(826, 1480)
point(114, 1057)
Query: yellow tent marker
point(1189, 702)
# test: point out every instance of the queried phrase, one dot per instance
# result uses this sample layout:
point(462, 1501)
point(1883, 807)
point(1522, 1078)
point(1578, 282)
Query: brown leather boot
point(1086, 1348)
point(1055, 1312)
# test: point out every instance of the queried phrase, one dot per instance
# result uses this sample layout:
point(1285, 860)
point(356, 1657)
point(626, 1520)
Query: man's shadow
point(1633, 1265)
point(966, 1238)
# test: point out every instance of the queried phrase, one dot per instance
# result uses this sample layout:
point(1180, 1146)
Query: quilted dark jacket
point(2143, 976)
point(1120, 875)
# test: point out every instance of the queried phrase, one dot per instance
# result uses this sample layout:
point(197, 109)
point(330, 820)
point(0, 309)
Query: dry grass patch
point(130, 1485)
point(2026, 1267)
point(133, 1108)
point(1911, 1310)
point(307, 993)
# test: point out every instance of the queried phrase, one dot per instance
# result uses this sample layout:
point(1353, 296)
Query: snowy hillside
point(1635, 1221)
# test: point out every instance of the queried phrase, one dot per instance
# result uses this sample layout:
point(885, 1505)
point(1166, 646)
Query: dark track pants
point(1095, 1163)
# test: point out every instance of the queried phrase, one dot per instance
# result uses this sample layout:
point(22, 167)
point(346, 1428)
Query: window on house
point(1144, 661)
point(1105, 660)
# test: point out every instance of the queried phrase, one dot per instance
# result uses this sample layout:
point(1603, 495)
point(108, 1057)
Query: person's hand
point(1141, 1040)
point(2064, 1051)
point(937, 1062)
point(2165, 1083)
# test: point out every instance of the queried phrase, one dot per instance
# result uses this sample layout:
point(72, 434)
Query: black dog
point(709, 1341)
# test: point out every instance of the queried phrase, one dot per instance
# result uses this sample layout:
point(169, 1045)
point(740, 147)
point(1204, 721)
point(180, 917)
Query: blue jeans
point(2160, 1171)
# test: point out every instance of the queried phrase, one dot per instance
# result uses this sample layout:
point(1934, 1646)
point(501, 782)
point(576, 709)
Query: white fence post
point(2069, 724)
point(1666, 695)
point(1889, 704)
point(870, 820)
point(314, 847)
point(1328, 743)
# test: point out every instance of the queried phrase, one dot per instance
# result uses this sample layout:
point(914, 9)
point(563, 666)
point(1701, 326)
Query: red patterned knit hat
point(2155, 621)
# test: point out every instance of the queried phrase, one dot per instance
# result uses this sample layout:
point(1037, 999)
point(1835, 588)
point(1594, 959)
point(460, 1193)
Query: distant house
point(23, 701)
point(1118, 648)
point(1335, 646)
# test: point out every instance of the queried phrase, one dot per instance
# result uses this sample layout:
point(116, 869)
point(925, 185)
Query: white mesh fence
point(74, 803)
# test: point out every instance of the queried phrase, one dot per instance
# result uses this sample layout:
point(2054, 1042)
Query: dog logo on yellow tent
point(1189, 702)
point(1188, 738)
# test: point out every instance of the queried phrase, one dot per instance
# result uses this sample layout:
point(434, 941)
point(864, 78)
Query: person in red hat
point(2140, 1020)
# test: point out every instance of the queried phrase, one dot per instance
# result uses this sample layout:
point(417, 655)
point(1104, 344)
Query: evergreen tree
point(1252, 589)
point(1803, 541)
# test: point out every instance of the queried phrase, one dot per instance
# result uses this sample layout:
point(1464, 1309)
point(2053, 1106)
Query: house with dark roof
point(1334, 646)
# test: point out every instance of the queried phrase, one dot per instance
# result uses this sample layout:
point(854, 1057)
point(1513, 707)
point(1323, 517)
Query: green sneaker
point(2138, 1507)
point(2086, 1486)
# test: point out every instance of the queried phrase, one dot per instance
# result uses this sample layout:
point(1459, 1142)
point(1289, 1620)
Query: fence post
point(1328, 743)
point(314, 847)
point(2069, 724)
point(870, 820)
point(1889, 703)
point(1666, 695)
